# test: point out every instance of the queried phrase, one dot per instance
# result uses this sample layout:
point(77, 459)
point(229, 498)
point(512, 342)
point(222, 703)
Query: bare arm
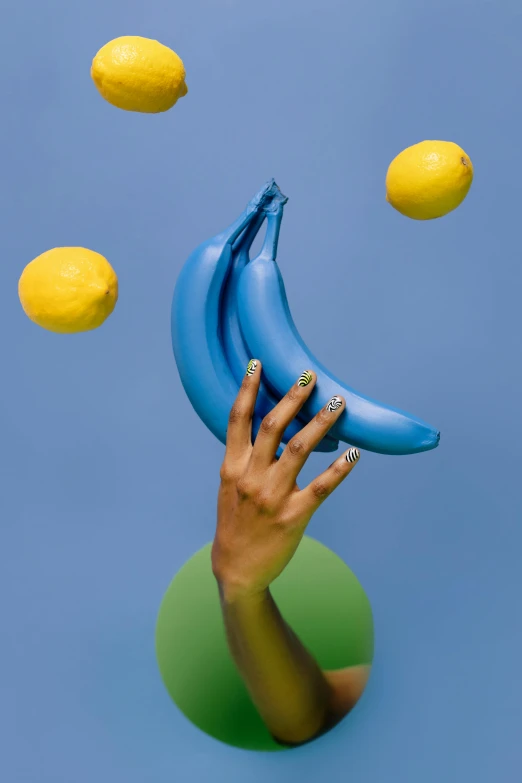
point(295, 698)
point(262, 516)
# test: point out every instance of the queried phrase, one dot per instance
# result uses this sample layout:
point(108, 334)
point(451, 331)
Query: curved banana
point(236, 351)
point(271, 335)
point(196, 337)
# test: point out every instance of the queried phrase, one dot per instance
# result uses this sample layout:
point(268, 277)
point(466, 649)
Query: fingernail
point(305, 378)
point(251, 367)
point(352, 455)
point(334, 404)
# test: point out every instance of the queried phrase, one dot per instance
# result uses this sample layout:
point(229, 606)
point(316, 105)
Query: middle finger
point(275, 423)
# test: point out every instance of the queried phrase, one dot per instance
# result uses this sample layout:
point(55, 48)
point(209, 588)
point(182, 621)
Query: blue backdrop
point(109, 479)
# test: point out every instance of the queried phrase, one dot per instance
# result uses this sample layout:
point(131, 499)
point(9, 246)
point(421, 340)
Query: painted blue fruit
point(271, 335)
point(236, 351)
point(196, 335)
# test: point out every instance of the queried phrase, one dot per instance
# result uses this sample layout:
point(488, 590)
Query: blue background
point(109, 479)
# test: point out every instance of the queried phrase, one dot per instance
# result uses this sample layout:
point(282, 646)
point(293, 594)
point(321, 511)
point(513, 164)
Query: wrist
point(237, 594)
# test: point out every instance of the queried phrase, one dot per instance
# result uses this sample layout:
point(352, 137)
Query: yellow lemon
point(139, 74)
point(429, 179)
point(68, 289)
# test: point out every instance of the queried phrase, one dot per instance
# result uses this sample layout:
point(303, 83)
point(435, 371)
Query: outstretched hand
point(262, 513)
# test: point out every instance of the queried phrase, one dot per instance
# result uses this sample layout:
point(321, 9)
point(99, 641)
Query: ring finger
point(299, 448)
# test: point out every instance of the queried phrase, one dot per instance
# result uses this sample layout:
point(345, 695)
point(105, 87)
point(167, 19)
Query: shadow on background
point(318, 596)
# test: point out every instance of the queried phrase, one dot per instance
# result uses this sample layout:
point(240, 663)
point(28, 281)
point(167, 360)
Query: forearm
point(285, 683)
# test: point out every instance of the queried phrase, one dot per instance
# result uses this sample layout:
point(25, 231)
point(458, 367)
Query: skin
point(262, 517)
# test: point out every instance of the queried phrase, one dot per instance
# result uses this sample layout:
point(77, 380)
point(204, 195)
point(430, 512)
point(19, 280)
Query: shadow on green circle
point(318, 596)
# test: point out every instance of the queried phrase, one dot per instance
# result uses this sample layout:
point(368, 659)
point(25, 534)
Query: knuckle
point(281, 529)
point(244, 488)
point(320, 490)
point(296, 447)
point(236, 413)
point(292, 395)
point(266, 502)
point(285, 523)
point(227, 473)
point(322, 419)
point(338, 470)
point(269, 424)
point(224, 473)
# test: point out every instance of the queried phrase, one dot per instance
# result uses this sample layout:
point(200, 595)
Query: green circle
point(318, 596)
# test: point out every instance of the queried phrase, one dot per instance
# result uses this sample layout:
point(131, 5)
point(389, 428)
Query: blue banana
point(196, 335)
point(236, 351)
point(269, 331)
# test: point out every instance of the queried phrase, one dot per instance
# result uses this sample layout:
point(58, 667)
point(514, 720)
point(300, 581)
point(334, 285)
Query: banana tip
point(433, 441)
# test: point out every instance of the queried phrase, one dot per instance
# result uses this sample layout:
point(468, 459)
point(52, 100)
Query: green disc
point(318, 596)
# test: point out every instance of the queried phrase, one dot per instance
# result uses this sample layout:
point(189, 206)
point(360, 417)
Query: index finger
point(239, 430)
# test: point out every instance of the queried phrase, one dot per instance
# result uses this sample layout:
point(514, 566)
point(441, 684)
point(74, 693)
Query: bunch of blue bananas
point(228, 309)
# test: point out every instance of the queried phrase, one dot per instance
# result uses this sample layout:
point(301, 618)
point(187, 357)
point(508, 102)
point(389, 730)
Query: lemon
point(139, 74)
point(429, 179)
point(68, 289)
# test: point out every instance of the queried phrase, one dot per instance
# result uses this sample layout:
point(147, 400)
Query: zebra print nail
point(352, 455)
point(251, 367)
point(334, 404)
point(305, 378)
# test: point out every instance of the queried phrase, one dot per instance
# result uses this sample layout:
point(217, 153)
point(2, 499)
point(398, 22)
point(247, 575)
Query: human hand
point(262, 513)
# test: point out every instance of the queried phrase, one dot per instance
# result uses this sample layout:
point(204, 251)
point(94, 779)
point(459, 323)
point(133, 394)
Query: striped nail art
point(305, 378)
point(251, 367)
point(352, 455)
point(334, 404)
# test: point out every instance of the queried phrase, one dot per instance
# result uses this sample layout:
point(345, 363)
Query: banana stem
point(269, 249)
point(266, 194)
point(246, 239)
point(230, 235)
